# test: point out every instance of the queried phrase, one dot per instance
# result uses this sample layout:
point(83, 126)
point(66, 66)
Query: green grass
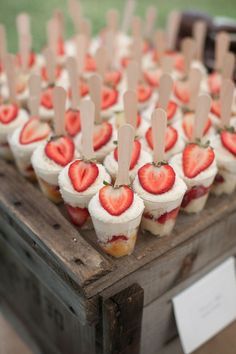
point(41, 10)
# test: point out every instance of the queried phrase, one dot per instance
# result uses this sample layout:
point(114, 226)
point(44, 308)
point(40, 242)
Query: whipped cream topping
point(22, 96)
point(81, 199)
point(6, 129)
point(224, 158)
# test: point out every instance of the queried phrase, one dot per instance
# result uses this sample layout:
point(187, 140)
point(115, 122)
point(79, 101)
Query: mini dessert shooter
point(225, 145)
point(11, 115)
point(82, 178)
point(138, 157)
point(197, 165)
point(51, 156)
point(157, 184)
point(24, 140)
point(116, 211)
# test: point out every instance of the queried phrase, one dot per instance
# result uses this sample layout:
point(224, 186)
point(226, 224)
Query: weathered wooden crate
point(75, 299)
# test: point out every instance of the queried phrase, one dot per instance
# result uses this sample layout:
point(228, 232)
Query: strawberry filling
point(72, 122)
point(219, 179)
point(194, 193)
point(44, 73)
point(118, 238)
point(31, 59)
point(78, 216)
point(8, 113)
point(171, 215)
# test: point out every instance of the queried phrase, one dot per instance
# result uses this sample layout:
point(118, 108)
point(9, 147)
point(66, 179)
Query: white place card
point(205, 308)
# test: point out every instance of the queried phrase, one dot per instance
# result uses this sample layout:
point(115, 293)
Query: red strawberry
point(171, 109)
point(179, 63)
point(135, 154)
point(46, 98)
point(145, 46)
point(60, 47)
point(155, 179)
point(215, 108)
point(196, 159)
point(153, 77)
point(116, 200)
point(228, 140)
point(61, 150)
point(72, 122)
point(170, 139)
point(8, 112)
point(188, 122)
point(78, 215)
point(102, 134)
point(109, 97)
point(84, 89)
point(214, 83)
point(112, 78)
point(125, 61)
point(144, 93)
point(181, 91)
point(118, 238)
point(139, 119)
point(82, 174)
point(34, 130)
point(44, 73)
point(90, 63)
point(168, 215)
point(194, 193)
point(31, 59)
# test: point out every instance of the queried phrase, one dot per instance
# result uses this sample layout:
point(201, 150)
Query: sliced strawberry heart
point(155, 179)
point(135, 154)
point(188, 122)
point(8, 112)
point(44, 73)
point(181, 91)
point(90, 63)
point(144, 92)
point(112, 78)
point(171, 109)
point(78, 215)
point(83, 89)
point(179, 63)
point(72, 122)
point(82, 174)
point(34, 130)
point(118, 238)
point(61, 150)
point(170, 138)
point(102, 134)
point(60, 47)
point(125, 61)
point(215, 108)
point(116, 200)
point(46, 98)
point(196, 159)
point(228, 140)
point(153, 77)
point(109, 97)
point(214, 83)
point(31, 59)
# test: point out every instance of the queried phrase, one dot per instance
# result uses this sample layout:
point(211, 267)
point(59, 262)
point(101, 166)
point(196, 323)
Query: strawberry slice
point(181, 91)
point(196, 159)
point(44, 73)
point(171, 109)
point(83, 89)
point(215, 108)
point(60, 47)
point(60, 149)
point(78, 215)
point(135, 154)
point(72, 122)
point(31, 59)
point(170, 138)
point(214, 83)
point(144, 92)
point(116, 200)
point(125, 61)
point(153, 77)
point(156, 179)
point(228, 140)
point(34, 130)
point(46, 98)
point(102, 134)
point(112, 78)
point(109, 97)
point(8, 112)
point(82, 174)
point(90, 63)
point(179, 62)
point(188, 122)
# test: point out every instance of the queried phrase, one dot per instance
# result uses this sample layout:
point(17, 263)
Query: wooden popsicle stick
point(128, 15)
point(52, 35)
point(199, 35)
point(159, 124)
point(112, 19)
point(151, 15)
point(195, 77)
point(59, 17)
point(3, 44)
point(74, 82)
point(136, 27)
point(131, 108)
point(101, 58)
point(111, 49)
point(81, 47)
point(50, 65)
point(137, 54)
point(76, 13)
point(226, 101)
point(125, 147)
point(95, 90)
point(172, 30)
point(34, 85)
point(23, 24)
point(132, 75)
point(24, 47)
point(86, 28)
point(34, 106)
point(202, 112)
point(188, 49)
point(11, 78)
point(160, 42)
point(59, 102)
point(167, 64)
point(222, 44)
point(87, 113)
point(229, 66)
point(165, 89)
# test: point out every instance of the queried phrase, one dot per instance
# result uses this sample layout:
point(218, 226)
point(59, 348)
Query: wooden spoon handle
point(172, 30)
point(202, 112)
point(95, 89)
point(221, 48)
point(131, 108)
point(128, 14)
point(188, 49)
point(159, 124)
point(226, 101)
point(199, 34)
point(87, 110)
point(59, 101)
point(195, 77)
point(132, 75)
point(50, 65)
point(74, 82)
point(35, 85)
point(165, 89)
point(229, 66)
point(11, 80)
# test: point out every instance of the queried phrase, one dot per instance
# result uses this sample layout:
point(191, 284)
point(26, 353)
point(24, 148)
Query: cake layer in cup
point(225, 182)
point(120, 247)
point(50, 191)
point(156, 228)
